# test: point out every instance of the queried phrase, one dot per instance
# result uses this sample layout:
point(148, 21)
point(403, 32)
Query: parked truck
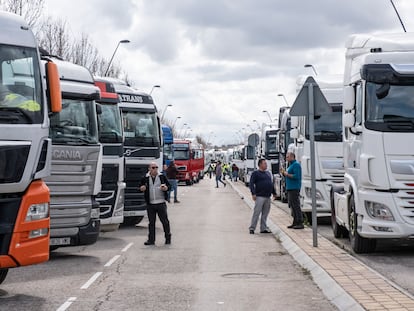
point(143, 144)
point(329, 168)
point(285, 142)
point(189, 160)
point(76, 160)
point(25, 146)
point(168, 140)
point(269, 148)
point(111, 197)
point(377, 200)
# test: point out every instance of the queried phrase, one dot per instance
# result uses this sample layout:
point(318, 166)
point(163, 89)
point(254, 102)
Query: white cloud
point(222, 62)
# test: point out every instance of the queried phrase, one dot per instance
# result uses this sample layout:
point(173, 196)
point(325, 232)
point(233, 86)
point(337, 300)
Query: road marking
point(67, 304)
point(110, 262)
point(91, 280)
point(127, 247)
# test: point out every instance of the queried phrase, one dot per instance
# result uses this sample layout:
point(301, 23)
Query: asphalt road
point(393, 259)
point(212, 264)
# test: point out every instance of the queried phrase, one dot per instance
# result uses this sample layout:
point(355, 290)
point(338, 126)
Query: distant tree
point(53, 36)
point(30, 10)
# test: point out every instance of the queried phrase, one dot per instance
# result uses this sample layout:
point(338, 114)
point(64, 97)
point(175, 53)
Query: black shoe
point(225, 185)
point(301, 226)
point(266, 231)
point(149, 243)
point(176, 201)
point(251, 231)
point(168, 240)
point(168, 201)
point(291, 226)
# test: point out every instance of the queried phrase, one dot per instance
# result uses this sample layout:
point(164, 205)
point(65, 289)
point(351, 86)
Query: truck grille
point(9, 207)
point(134, 199)
point(13, 160)
point(107, 196)
point(405, 202)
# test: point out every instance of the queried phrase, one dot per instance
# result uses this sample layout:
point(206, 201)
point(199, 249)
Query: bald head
point(153, 168)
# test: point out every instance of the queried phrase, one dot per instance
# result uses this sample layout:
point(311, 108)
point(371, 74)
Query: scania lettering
point(77, 160)
point(111, 197)
point(328, 147)
point(25, 146)
point(142, 145)
point(378, 117)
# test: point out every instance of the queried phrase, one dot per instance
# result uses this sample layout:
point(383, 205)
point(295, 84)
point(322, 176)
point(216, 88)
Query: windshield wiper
point(329, 135)
point(396, 118)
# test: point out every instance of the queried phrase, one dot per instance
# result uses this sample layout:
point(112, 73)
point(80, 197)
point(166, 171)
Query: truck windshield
point(20, 86)
point(110, 126)
point(140, 128)
point(75, 124)
point(181, 152)
point(168, 152)
point(328, 127)
point(271, 149)
point(390, 107)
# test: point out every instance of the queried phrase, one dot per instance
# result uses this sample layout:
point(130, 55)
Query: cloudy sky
point(220, 63)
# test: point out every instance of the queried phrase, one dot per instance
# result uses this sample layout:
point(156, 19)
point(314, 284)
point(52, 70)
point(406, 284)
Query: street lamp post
point(283, 95)
point(113, 55)
point(165, 109)
point(268, 114)
point(175, 121)
point(153, 87)
point(258, 125)
point(311, 66)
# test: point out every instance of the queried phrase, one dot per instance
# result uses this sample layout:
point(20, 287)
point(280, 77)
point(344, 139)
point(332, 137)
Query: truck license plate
point(131, 213)
point(59, 241)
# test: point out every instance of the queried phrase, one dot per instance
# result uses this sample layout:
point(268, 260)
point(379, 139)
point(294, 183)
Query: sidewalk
point(347, 283)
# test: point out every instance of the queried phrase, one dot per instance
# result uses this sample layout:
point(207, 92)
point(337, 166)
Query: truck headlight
point(379, 211)
point(318, 194)
point(37, 211)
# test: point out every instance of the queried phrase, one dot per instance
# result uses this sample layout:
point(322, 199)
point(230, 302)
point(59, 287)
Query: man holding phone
point(155, 187)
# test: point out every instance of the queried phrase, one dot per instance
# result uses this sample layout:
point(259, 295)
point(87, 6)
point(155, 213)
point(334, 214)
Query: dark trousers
point(152, 211)
point(294, 205)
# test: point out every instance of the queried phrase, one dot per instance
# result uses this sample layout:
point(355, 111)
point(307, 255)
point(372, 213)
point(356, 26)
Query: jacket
point(145, 182)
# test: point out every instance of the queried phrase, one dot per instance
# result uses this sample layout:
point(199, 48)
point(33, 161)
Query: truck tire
point(338, 230)
point(3, 274)
point(358, 243)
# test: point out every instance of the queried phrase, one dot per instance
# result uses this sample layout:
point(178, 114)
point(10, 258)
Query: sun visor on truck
point(386, 73)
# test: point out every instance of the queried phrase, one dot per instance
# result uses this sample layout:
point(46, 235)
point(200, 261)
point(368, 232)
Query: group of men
point(157, 189)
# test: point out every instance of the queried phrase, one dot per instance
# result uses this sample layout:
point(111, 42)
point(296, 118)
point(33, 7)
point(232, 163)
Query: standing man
point(261, 187)
point(219, 173)
point(155, 186)
point(235, 172)
point(172, 179)
point(293, 184)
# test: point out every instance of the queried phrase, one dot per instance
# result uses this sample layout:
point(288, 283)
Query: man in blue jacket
point(293, 184)
point(261, 187)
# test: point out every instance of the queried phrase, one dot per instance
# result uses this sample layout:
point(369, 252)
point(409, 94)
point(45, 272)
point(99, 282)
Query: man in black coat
point(155, 187)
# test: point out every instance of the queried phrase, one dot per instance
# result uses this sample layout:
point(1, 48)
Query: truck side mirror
point(294, 122)
point(348, 120)
point(349, 98)
point(53, 85)
point(294, 133)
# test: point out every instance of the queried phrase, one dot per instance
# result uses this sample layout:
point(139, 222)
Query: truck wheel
point(358, 243)
point(3, 274)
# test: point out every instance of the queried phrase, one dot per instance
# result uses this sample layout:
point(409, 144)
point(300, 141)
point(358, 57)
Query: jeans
point(294, 205)
point(261, 206)
point(152, 211)
point(218, 179)
point(235, 175)
point(174, 187)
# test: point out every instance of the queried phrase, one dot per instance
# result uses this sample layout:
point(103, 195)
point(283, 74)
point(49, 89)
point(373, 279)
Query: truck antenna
point(396, 11)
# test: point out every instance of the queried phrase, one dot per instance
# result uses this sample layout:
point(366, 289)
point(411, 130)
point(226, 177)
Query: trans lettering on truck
point(66, 155)
point(131, 98)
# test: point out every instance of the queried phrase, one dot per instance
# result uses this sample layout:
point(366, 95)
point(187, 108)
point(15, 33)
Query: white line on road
point(67, 304)
point(127, 247)
point(110, 262)
point(91, 280)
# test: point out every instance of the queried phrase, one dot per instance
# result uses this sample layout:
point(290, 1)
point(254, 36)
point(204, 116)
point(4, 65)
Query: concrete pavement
point(347, 283)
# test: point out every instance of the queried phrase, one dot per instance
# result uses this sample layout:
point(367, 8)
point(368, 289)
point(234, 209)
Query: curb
point(330, 288)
